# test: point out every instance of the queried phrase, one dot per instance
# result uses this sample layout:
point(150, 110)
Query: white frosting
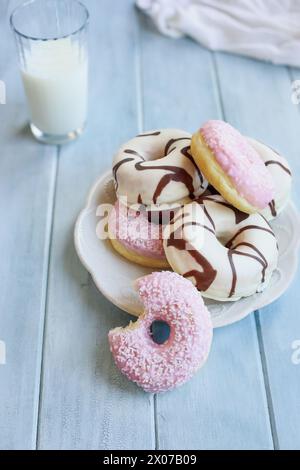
point(281, 174)
point(140, 178)
point(220, 272)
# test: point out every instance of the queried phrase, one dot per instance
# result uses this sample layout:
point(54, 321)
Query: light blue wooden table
point(59, 388)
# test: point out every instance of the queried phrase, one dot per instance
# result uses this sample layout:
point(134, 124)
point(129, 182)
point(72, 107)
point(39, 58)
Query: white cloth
point(265, 29)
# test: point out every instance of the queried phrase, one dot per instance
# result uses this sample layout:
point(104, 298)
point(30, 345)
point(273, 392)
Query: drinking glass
point(51, 37)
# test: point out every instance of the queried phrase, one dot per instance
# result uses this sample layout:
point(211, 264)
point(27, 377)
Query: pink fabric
point(133, 230)
point(240, 162)
point(167, 297)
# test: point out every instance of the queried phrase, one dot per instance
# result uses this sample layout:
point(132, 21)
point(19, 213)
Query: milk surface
point(56, 80)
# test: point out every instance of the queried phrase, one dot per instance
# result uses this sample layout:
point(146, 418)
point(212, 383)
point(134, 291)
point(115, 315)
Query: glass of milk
point(51, 38)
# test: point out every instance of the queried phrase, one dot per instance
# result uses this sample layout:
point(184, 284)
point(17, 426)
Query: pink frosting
point(240, 161)
point(135, 232)
point(167, 297)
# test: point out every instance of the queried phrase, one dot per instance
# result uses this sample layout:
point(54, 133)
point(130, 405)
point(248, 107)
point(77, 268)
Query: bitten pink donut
point(232, 166)
point(135, 238)
point(170, 298)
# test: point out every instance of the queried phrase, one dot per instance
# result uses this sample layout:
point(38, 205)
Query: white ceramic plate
point(114, 275)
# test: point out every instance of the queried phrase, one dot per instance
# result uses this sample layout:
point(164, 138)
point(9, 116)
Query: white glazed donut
point(281, 174)
point(157, 168)
point(226, 253)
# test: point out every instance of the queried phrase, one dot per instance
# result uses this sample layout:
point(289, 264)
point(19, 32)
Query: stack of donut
point(199, 205)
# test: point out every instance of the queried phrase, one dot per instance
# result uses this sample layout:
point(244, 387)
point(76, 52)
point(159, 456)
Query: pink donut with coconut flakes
point(135, 238)
point(232, 166)
point(170, 298)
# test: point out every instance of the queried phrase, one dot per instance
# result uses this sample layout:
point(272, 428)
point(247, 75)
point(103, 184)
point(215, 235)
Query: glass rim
point(35, 38)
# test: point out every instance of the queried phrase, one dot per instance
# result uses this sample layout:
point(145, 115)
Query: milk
point(55, 79)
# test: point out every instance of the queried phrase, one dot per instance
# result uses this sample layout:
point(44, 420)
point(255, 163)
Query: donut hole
point(158, 151)
point(160, 331)
point(155, 154)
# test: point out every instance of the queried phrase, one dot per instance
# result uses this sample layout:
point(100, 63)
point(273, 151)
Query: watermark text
point(2, 353)
point(295, 95)
point(296, 352)
point(2, 92)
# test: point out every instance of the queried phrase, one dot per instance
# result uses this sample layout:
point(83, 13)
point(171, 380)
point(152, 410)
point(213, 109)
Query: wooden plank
point(257, 99)
point(85, 402)
point(225, 405)
point(27, 177)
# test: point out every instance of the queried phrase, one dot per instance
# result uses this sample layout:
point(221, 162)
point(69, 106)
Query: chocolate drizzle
point(248, 227)
point(186, 151)
point(275, 162)
point(173, 141)
point(177, 174)
point(272, 207)
point(212, 191)
point(197, 224)
point(239, 215)
point(260, 258)
point(205, 278)
point(180, 217)
point(186, 224)
point(133, 152)
point(161, 217)
point(233, 251)
point(122, 162)
point(117, 166)
point(150, 134)
point(234, 274)
point(272, 204)
point(209, 217)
